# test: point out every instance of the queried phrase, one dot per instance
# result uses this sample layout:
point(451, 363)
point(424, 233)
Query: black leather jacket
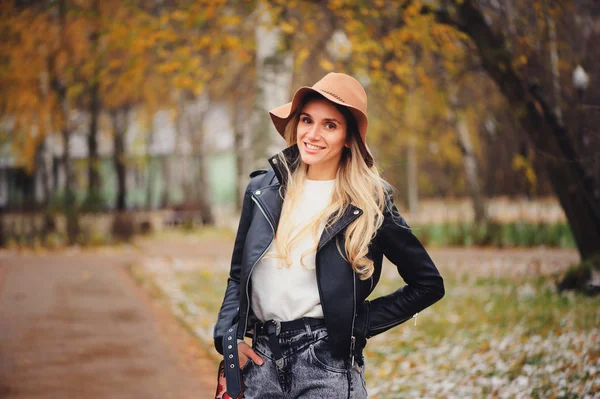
point(349, 318)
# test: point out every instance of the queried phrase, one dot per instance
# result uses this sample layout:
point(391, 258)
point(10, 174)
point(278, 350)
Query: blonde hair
point(356, 183)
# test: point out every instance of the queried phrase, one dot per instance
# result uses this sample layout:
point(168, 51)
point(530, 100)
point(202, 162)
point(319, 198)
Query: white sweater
point(282, 293)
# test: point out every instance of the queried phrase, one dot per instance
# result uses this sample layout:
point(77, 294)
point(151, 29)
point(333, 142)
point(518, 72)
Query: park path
point(75, 325)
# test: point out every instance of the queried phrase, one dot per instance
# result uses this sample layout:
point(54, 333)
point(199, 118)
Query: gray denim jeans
point(308, 371)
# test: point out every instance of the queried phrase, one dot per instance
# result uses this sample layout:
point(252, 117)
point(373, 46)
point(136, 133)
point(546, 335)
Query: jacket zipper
point(352, 337)
point(396, 322)
point(257, 260)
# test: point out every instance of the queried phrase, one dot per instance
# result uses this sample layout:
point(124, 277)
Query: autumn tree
point(127, 81)
point(530, 51)
point(41, 86)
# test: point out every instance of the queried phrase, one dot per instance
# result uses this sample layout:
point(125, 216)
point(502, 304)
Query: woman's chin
point(309, 159)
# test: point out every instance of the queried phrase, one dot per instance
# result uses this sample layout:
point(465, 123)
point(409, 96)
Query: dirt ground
point(75, 325)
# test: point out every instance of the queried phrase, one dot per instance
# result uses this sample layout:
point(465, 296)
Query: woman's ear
point(347, 144)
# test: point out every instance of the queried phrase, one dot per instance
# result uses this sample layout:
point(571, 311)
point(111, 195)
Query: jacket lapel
point(350, 214)
point(270, 202)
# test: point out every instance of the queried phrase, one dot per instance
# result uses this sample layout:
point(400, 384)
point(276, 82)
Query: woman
point(313, 232)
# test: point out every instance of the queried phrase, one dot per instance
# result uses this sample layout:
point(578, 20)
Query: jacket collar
point(291, 155)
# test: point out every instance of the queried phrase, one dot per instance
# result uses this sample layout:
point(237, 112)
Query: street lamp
point(581, 80)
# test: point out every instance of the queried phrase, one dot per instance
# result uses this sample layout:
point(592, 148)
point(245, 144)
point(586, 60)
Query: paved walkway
point(77, 326)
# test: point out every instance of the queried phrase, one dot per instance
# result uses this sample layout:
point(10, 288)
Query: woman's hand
point(245, 352)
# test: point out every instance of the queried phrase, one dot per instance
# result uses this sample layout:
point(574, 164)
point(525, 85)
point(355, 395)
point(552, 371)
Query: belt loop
point(273, 332)
point(307, 326)
point(257, 327)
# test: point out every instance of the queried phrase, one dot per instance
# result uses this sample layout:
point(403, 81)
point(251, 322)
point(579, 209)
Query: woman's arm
point(424, 286)
point(230, 306)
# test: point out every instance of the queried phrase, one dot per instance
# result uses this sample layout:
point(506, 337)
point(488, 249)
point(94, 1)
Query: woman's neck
point(321, 173)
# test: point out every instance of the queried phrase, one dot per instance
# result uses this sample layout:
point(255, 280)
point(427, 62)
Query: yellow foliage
point(286, 27)
point(398, 90)
point(179, 15)
point(115, 63)
point(521, 163)
point(326, 65)
point(231, 42)
point(301, 56)
point(387, 42)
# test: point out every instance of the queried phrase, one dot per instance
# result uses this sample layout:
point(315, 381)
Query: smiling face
point(321, 136)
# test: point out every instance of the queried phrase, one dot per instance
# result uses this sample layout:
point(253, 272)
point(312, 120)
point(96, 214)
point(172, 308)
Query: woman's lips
point(312, 148)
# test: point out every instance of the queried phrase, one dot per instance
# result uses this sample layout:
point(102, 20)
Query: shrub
point(519, 234)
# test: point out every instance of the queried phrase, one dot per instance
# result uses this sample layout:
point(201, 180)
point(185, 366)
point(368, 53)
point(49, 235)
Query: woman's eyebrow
point(326, 119)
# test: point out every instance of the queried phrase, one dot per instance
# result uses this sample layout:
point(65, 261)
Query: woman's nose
point(314, 132)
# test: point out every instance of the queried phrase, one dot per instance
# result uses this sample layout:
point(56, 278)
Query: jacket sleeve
point(230, 307)
point(424, 285)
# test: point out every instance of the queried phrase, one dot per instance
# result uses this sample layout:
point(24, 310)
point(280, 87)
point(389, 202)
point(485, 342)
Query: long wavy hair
point(356, 183)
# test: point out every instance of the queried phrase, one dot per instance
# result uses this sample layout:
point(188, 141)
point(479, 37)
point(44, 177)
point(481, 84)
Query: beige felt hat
point(339, 88)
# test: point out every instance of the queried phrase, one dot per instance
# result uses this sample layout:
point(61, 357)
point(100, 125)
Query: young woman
point(309, 248)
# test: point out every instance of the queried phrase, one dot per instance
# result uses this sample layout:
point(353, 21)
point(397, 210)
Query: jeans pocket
point(247, 364)
point(320, 355)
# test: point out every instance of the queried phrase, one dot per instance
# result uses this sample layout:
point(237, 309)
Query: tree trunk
point(44, 171)
point(238, 149)
point(44, 165)
point(412, 176)
point(555, 71)
point(471, 169)
point(149, 166)
point(93, 194)
point(274, 68)
point(166, 177)
point(574, 186)
point(194, 113)
point(120, 119)
point(93, 199)
point(59, 87)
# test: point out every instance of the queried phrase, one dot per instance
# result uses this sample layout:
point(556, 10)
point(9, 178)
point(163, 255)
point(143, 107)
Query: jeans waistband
point(276, 327)
point(273, 328)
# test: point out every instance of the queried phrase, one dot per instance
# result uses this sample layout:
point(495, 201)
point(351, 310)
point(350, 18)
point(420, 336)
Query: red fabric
point(222, 385)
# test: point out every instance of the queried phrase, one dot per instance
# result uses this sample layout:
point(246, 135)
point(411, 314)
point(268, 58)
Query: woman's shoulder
point(258, 172)
point(259, 178)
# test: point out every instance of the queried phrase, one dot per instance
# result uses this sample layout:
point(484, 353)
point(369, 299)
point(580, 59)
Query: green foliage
point(499, 235)
point(94, 202)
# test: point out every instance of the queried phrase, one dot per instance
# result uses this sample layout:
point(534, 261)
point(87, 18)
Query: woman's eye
point(330, 126)
point(305, 120)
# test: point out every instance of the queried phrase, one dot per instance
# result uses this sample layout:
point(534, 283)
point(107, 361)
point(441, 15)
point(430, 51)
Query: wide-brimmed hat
point(338, 88)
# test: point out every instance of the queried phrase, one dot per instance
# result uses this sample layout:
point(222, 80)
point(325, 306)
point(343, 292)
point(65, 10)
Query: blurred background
point(479, 112)
point(123, 119)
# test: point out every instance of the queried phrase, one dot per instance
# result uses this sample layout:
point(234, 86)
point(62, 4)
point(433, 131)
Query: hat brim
point(280, 116)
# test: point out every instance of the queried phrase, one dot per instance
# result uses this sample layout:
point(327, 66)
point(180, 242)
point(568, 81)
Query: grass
point(499, 235)
point(491, 337)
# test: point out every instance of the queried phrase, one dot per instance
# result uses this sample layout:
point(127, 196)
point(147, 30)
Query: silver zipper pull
point(352, 346)
point(415, 317)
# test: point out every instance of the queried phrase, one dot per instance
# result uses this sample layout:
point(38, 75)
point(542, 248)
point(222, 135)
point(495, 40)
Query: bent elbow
point(436, 290)
point(440, 290)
